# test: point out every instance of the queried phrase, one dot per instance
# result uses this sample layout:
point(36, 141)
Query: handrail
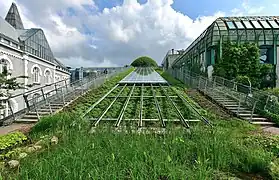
point(253, 99)
point(51, 92)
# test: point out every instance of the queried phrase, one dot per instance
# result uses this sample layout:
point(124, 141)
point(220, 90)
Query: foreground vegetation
point(229, 149)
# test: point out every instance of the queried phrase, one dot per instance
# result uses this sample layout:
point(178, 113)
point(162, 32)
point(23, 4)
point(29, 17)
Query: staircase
point(53, 106)
point(237, 108)
point(238, 99)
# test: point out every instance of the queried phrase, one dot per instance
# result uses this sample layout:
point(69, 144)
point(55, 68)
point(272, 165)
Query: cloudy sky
point(114, 32)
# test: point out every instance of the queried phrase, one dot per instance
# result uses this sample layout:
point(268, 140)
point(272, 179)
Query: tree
point(144, 61)
point(240, 62)
point(8, 84)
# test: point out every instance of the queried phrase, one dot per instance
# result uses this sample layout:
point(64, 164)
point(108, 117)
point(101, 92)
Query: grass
point(201, 153)
point(178, 154)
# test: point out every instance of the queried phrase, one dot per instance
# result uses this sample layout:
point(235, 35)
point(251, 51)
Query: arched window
point(5, 66)
point(36, 75)
point(48, 77)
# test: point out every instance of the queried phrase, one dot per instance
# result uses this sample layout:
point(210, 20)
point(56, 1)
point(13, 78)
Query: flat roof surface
point(143, 76)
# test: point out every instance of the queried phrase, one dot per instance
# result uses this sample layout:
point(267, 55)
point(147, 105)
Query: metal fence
point(256, 100)
point(58, 91)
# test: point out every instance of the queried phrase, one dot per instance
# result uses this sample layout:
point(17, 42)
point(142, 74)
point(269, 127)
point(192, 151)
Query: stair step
point(26, 116)
point(257, 119)
point(220, 99)
point(234, 109)
point(57, 104)
point(267, 123)
point(46, 109)
point(23, 120)
point(240, 111)
point(248, 115)
point(230, 102)
point(40, 113)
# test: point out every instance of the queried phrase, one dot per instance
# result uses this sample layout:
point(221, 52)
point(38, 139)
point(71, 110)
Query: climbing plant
point(242, 60)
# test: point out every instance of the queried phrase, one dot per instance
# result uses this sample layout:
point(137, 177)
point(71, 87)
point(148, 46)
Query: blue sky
point(82, 33)
point(194, 8)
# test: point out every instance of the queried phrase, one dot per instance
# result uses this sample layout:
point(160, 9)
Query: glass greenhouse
point(208, 46)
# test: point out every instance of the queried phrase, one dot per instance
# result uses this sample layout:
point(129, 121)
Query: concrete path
point(272, 130)
point(15, 127)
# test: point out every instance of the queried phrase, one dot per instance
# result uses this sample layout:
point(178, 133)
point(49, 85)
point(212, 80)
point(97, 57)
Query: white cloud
point(117, 35)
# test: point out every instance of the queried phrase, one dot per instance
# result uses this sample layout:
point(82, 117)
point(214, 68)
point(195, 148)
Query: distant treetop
point(144, 61)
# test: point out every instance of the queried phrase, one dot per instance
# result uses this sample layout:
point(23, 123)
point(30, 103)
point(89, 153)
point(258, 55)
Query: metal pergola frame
point(140, 119)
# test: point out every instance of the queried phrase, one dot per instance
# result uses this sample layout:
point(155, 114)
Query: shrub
point(274, 169)
point(54, 123)
point(144, 61)
point(11, 140)
point(243, 60)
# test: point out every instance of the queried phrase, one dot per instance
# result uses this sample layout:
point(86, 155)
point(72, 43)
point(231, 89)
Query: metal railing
point(255, 100)
point(56, 92)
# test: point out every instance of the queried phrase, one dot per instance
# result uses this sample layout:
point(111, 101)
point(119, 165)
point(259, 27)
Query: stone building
point(26, 52)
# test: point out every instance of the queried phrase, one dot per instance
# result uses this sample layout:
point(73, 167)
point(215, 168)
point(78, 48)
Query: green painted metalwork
point(275, 49)
point(212, 57)
point(220, 48)
point(254, 29)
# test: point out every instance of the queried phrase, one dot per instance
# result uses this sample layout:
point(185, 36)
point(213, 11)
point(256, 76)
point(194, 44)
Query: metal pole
point(26, 102)
point(266, 102)
point(177, 110)
point(252, 113)
point(106, 110)
point(96, 103)
point(141, 106)
point(11, 109)
point(158, 107)
point(42, 90)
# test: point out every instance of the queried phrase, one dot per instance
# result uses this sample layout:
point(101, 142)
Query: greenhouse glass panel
point(239, 25)
point(230, 25)
point(256, 24)
point(265, 24)
point(274, 24)
point(248, 25)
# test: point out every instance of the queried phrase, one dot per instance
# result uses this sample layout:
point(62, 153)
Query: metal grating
point(143, 76)
point(138, 103)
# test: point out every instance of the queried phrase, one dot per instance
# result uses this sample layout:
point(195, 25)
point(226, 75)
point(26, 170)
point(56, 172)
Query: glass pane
point(256, 24)
point(265, 24)
point(274, 24)
point(230, 25)
point(248, 25)
point(239, 25)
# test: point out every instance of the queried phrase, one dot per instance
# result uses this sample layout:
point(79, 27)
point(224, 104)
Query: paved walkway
point(272, 130)
point(15, 127)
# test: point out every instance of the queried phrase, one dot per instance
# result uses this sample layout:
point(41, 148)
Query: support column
point(25, 62)
point(220, 49)
point(276, 58)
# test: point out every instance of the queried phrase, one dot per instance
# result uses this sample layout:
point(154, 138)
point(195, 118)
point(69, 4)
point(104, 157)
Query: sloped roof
point(8, 30)
point(56, 61)
point(26, 33)
point(13, 17)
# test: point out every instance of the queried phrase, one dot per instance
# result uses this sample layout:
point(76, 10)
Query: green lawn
point(227, 149)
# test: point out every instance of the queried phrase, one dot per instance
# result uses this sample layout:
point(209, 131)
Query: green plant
point(144, 61)
point(274, 169)
point(242, 60)
point(11, 140)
